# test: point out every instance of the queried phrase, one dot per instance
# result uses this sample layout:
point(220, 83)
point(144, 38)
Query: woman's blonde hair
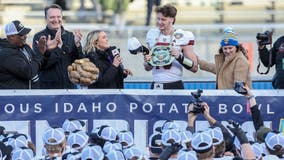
point(91, 37)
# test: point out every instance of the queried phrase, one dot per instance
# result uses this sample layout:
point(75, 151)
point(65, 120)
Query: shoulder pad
point(151, 36)
point(182, 37)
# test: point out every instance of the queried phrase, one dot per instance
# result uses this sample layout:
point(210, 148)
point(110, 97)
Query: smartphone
point(239, 87)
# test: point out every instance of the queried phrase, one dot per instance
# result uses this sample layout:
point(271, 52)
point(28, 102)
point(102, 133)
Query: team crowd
point(169, 141)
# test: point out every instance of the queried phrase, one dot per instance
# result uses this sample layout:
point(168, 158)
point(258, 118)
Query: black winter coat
point(110, 77)
point(16, 70)
point(277, 59)
point(54, 74)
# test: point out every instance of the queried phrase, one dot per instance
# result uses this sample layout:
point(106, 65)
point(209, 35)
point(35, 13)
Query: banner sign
point(139, 110)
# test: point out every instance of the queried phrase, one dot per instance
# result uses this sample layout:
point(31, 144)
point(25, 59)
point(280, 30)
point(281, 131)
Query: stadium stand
point(205, 18)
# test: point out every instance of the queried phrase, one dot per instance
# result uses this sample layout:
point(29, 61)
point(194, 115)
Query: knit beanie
point(229, 37)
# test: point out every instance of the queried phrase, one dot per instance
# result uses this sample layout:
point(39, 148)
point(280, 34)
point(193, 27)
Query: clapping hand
point(58, 38)
point(77, 37)
point(56, 42)
point(41, 43)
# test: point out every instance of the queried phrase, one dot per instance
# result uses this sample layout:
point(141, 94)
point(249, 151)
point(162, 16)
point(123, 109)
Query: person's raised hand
point(41, 43)
point(206, 108)
point(58, 38)
point(190, 114)
point(238, 132)
point(117, 60)
point(249, 92)
point(51, 44)
point(77, 37)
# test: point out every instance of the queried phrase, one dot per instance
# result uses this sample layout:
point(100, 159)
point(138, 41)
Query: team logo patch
point(178, 35)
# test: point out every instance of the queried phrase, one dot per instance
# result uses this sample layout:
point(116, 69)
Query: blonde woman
point(107, 59)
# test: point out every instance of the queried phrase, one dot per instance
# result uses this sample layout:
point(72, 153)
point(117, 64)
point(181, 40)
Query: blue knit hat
point(229, 37)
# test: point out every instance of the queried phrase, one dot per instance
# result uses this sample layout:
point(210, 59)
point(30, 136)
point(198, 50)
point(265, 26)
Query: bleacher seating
point(204, 12)
point(205, 18)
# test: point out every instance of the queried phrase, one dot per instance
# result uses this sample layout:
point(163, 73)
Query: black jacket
point(277, 52)
point(53, 74)
point(16, 70)
point(110, 77)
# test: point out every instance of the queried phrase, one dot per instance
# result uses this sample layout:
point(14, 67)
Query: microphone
point(115, 52)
